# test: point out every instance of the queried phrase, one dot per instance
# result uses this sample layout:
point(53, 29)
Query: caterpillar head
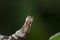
point(29, 20)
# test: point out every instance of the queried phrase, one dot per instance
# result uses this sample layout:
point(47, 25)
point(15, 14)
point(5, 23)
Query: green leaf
point(55, 36)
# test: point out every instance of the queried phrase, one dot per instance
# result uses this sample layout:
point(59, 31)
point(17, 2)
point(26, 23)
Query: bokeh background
point(46, 15)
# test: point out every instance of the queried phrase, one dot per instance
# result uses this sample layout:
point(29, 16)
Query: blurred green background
point(46, 15)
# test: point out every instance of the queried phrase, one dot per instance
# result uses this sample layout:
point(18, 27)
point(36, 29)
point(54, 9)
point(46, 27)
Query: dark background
point(46, 17)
